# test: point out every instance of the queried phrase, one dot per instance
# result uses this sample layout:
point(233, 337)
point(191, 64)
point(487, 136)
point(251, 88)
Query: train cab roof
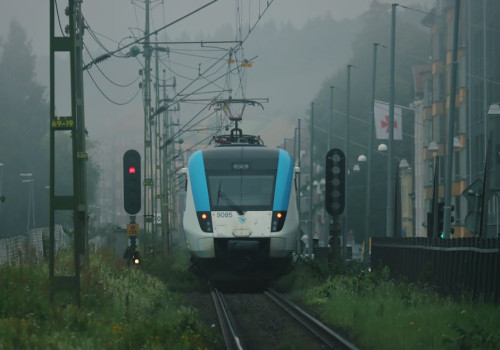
point(260, 157)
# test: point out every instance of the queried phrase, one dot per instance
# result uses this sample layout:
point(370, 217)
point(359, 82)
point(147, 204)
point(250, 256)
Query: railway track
point(269, 321)
point(228, 326)
point(329, 337)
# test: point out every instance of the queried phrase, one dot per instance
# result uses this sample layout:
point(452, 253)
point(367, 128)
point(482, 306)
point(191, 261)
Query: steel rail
point(328, 336)
point(228, 327)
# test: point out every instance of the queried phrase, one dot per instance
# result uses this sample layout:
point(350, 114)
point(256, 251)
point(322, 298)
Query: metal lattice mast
point(148, 152)
point(157, 157)
point(164, 175)
point(75, 124)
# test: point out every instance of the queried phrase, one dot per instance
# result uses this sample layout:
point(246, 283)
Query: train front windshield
point(234, 192)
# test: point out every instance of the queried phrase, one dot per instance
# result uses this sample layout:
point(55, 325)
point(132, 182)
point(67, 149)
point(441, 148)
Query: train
point(240, 219)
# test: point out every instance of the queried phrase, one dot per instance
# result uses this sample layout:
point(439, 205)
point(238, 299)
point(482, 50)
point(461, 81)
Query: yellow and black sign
point(132, 230)
point(62, 123)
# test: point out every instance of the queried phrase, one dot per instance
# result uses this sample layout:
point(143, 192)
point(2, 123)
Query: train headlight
point(278, 220)
point(205, 221)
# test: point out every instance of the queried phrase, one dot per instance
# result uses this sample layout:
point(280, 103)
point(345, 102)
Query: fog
point(116, 21)
point(294, 48)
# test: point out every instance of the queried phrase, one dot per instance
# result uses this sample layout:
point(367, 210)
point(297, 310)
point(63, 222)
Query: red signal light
point(131, 170)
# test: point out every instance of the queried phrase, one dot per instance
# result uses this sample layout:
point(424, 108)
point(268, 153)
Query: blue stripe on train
point(196, 168)
point(283, 181)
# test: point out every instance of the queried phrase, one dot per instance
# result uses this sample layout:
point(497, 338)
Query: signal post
point(132, 200)
point(335, 196)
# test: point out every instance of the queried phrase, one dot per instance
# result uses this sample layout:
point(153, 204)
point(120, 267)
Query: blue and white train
point(241, 216)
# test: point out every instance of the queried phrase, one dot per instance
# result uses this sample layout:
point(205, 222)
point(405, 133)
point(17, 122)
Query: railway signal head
point(335, 182)
point(132, 182)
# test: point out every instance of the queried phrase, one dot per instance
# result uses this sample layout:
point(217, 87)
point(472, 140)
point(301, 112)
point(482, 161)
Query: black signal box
point(335, 182)
point(132, 182)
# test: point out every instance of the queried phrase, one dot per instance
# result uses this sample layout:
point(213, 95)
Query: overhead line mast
point(74, 126)
point(148, 151)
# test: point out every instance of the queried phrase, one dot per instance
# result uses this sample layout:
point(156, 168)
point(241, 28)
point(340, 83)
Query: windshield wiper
point(229, 201)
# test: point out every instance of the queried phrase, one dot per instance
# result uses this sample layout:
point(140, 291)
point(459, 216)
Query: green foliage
point(304, 273)
point(122, 308)
point(19, 285)
point(472, 335)
point(378, 313)
point(172, 271)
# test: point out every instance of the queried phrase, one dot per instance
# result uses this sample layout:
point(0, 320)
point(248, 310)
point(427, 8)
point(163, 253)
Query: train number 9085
point(224, 214)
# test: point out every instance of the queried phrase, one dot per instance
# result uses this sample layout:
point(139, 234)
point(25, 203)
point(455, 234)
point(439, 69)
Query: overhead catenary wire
point(166, 26)
point(108, 98)
point(104, 74)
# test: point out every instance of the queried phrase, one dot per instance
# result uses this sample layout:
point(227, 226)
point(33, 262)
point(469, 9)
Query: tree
point(24, 137)
point(412, 48)
point(24, 120)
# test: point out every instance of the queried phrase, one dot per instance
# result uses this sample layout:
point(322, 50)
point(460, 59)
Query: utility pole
point(300, 188)
point(157, 157)
point(346, 146)
point(390, 148)
point(451, 127)
point(80, 186)
point(148, 150)
point(311, 173)
point(330, 133)
point(164, 176)
point(72, 43)
point(369, 152)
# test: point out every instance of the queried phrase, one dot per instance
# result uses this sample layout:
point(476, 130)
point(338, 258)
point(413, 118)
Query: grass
point(141, 308)
point(377, 313)
point(122, 308)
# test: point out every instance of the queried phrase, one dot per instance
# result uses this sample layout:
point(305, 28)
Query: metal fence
point(32, 247)
point(456, 266)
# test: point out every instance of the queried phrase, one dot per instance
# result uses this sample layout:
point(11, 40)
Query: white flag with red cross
point(381, 116)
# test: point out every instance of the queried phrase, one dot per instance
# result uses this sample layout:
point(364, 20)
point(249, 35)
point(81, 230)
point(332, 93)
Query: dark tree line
point(24, 137)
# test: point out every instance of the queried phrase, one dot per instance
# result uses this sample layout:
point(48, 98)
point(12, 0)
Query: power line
point(108, 98)
point(105, 76)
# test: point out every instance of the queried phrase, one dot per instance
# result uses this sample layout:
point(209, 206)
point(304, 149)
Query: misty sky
point(114, 17)
point(118, 20)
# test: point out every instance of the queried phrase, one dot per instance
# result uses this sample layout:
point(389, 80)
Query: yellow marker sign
point(132, 230)
point(62, 123)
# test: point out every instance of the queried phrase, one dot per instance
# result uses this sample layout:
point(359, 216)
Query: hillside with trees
point(412, 48)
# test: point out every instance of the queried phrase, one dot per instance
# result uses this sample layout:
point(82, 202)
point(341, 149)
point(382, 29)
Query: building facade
point(476, 132)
